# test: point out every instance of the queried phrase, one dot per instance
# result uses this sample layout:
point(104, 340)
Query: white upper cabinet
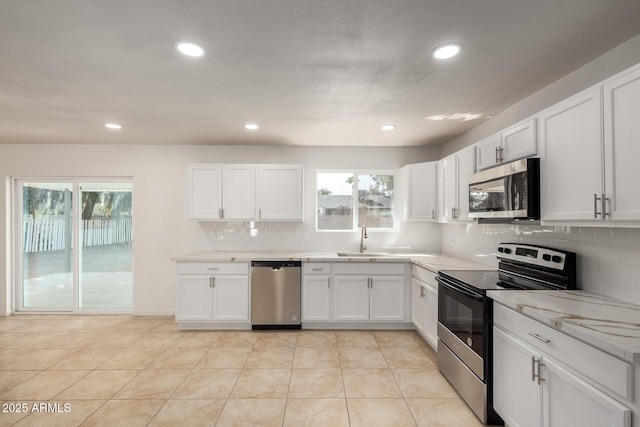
point(465, 166)
point(488, 151)
point(245, 192)
point(238, 192)
point(279, 192)
point(622, 146)
point(511, 144)
point(456, 170)
point(571, 169)
point(221, 191)
point(420, 191)
point(205, 191)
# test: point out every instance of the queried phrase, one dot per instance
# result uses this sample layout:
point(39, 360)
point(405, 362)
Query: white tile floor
point(130, 371)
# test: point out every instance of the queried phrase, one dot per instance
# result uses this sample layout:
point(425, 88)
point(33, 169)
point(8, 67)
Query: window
point(344, 206)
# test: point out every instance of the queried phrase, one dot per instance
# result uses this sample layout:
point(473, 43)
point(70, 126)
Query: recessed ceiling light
point(190, 49)
point(113, 126)
point(447, 51)
point(251, 126)
point(388, 127)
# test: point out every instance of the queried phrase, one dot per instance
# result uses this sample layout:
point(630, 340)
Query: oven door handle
point(467, 292)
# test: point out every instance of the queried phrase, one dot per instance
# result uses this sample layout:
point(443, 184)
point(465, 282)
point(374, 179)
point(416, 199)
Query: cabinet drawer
point(424, 275)
point(316, 268)
point(592, 364)
point(212, 268)
point(369, 268)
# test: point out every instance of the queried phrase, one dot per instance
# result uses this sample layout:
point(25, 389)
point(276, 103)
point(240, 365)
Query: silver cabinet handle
point(595, 205)
point(453, 213)
point(421, 292)
point(497, 161)
point(213, 282)
point(536, 375)
point(604, 206)
point(538, 337)
point(329, 283)
point(259, 213)
point(317, 269)
point(212, 268)
point(500, 150)
point(433, 214)
point(220, 213)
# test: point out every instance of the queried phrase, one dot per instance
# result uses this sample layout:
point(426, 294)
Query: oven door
point(462, 323)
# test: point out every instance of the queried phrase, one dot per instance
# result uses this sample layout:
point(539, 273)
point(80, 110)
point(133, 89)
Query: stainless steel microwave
point(509, 191)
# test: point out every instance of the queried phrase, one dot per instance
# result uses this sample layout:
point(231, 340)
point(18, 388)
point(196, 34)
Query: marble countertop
point(605, 323)
point(431, 261)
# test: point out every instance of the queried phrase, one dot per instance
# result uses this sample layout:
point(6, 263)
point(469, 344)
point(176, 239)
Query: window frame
point(354, 199)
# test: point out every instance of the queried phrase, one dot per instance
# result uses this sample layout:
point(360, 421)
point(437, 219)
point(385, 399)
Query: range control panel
point(534, 255)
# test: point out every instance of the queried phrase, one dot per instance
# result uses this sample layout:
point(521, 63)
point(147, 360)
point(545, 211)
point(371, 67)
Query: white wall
point(161, 227)
point(616, 60)
point(607, 261)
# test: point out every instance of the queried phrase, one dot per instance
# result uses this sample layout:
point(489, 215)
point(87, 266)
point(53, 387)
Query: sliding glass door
point(105, 251)
point(74, 246)
point(47, 250)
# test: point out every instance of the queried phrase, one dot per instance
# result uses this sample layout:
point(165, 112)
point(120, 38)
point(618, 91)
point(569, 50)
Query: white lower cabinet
point(354, 292)
point(316, 298)
point(424, 304)
point(369, 298)
point(558, 382)
point(212, 293)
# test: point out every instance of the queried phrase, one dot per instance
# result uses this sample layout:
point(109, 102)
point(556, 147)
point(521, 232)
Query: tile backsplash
point(608, 259)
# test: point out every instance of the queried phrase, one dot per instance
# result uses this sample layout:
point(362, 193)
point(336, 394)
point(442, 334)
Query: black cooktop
point(481, 280)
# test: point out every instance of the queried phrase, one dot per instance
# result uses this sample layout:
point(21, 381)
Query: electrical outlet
point(452, 239)
point(306, 235)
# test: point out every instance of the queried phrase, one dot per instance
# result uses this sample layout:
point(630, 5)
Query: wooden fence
point(48, 234)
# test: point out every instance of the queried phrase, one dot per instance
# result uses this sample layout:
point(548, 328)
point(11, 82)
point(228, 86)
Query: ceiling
point(309, 72)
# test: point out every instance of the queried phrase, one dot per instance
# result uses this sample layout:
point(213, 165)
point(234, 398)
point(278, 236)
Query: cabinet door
point(316, 298)
point(571, 158)
point(420, 197)
point(448, 187)
point(194, 298)
point(465, 166)
point(516, 398)
point(238, 192)
point(622, 146)
point(418, 305)
point(488, 152)
point(279, 192)
point(519, 141)
point(431, 315)
point(351, 298)
point(231, 298)
point(387, 298)
point(205, 191)
point(569, 401)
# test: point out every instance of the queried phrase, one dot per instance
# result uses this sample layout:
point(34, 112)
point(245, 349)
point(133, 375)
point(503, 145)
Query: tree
point(324, 192)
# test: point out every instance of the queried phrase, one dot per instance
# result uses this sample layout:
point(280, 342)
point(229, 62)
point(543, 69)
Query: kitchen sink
point(361, 255)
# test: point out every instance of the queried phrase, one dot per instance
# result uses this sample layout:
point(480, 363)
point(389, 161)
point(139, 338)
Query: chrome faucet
point(363, 235)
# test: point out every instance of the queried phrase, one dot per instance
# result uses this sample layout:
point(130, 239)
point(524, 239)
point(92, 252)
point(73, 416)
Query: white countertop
point(433, 262)
point(605, 323)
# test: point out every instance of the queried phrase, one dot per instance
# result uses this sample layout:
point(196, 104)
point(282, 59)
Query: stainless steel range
point(465, 315)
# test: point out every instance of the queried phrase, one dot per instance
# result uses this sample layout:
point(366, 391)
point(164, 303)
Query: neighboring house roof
point(332, 201)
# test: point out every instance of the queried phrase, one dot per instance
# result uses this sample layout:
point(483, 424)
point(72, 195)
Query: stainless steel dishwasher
point(275, 294)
